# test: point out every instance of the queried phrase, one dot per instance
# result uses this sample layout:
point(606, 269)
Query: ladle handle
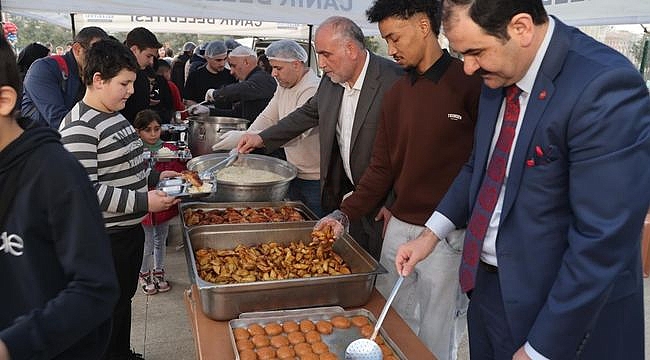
point(384, 311)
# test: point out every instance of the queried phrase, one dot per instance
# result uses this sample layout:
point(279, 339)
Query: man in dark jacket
point(253, 91)
point(49, 91)
point(178, 66)
point(212, 75)
point(144, 45)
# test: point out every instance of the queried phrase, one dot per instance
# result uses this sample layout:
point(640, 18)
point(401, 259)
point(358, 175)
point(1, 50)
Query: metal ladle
point(233, 155)
point(367, 349)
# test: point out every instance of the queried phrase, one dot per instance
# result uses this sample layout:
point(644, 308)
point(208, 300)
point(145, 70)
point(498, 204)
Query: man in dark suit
point(555, 193)
point(346, 109)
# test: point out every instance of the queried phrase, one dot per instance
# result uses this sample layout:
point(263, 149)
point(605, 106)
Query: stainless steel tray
point(207, 206)
point(180, 188)
point(337, 341)
point(225, 302)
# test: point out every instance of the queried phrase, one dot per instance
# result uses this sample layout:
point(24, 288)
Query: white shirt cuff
point(532, 353)
point(440, 225)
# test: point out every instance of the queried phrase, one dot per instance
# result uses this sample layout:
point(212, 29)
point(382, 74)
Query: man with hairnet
point(196, 60)
point(250, 95)
point(178, 66)
point(297, 84)
point(213, 75)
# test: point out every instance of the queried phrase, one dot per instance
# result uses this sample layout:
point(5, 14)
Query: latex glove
point(209, 95)
point(337, 220)
point(228, 140)
point(198, 110)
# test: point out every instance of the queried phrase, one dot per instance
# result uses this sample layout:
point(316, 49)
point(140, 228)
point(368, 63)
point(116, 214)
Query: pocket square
point(455, 117)
point(542, 155)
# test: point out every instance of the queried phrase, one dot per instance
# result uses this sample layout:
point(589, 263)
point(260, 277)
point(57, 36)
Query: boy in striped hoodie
point(109, 148)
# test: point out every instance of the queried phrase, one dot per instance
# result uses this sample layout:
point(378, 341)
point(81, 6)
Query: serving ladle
point(367, 349)
point(233, 155)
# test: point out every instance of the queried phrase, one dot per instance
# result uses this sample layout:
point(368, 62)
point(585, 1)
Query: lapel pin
point(542, 95)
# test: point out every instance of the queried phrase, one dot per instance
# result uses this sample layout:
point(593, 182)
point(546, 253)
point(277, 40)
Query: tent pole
point(74, 29)
point(644, 53)
point(311, 27)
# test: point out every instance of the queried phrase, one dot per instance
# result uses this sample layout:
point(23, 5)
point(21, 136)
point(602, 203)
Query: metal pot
point(238, 192)
point(204, 131)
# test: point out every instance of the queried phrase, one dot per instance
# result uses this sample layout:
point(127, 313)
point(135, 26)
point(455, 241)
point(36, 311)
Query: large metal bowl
point(246, 192)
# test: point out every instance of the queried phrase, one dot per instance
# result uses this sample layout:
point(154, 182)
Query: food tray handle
point(277, 313)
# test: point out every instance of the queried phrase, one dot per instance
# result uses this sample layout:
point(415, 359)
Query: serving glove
point(228, 140)
point(199, 110)
point(209, 95)
point(337, 220)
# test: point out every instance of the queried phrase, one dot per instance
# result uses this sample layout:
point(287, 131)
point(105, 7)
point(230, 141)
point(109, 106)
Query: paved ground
point(161, 328)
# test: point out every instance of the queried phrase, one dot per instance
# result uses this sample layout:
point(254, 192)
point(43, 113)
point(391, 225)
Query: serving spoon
point(233, 155)
point(367, 349)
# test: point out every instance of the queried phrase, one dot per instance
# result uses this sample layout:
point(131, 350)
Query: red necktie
point(489, 191)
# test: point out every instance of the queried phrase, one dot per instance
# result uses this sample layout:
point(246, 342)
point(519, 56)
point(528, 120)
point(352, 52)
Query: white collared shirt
point(348, 109)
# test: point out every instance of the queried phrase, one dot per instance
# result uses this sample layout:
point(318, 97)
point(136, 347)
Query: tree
point(31, 30)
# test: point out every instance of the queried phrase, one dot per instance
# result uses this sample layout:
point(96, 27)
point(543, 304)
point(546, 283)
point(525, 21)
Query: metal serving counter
point(212, 339)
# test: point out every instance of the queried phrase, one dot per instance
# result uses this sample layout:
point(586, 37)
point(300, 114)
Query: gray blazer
point(323, 110)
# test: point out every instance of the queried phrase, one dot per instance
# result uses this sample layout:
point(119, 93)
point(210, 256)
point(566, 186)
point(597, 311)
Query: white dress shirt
point(346, 117)
point(442, 226)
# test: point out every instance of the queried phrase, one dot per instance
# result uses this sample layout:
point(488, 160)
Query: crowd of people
point(504, 185)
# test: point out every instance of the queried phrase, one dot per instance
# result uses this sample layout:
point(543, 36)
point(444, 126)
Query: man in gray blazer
point(346, 108)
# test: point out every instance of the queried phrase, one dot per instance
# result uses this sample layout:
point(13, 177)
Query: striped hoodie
point(109, 148)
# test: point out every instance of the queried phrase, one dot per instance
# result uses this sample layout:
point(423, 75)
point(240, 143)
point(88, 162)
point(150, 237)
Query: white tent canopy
point(167, 12)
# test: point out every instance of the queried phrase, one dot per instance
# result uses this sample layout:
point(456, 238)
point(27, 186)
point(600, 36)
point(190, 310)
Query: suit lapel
point(369, 91)
point(329, 108)
point(551, 66)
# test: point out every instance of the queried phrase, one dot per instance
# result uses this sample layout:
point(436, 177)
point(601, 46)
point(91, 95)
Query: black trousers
point(127, 246)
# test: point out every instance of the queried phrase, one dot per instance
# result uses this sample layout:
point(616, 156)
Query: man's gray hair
point(344, 28)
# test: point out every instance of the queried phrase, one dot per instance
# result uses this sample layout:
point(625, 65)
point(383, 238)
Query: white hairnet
point(231, 44)
point(286, 50)
point(200, 50)
point(215, 48)
point(243, 51)
point(189, 46)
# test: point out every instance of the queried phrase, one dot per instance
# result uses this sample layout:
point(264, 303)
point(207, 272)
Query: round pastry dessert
point(302, 349)
point(296, 337)
point(312, 337)
point(266, 353)
point(273, 329)
point(256, 329)
point(240, 333)
point(286, 352)
point(278, 341)
point(324, 327)
point(307, 326)
point(340, 322)
point(309, 356)
point(359, 321)
point(247, 354)
point(260, 341)
point(319, 348)
point(367, 330)
point(244, 344)
point(290, 326)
